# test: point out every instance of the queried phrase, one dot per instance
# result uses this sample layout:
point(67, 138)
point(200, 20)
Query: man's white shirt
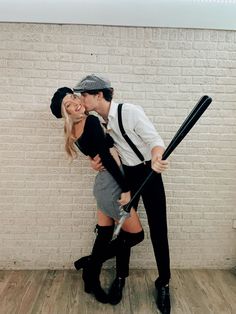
point(139, 129)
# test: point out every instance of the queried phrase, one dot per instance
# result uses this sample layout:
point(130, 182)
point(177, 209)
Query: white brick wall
point(47, 209)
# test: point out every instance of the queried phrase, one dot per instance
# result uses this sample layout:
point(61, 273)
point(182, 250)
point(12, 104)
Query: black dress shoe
point(115, 292)
point(163, 299)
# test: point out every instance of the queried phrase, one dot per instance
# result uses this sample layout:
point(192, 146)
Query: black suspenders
point(128, 140)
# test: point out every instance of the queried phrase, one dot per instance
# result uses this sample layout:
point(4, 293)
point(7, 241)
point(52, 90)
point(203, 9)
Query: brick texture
point(47, 209)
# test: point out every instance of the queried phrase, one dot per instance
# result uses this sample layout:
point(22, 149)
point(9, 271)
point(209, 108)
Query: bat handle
point(120, 223)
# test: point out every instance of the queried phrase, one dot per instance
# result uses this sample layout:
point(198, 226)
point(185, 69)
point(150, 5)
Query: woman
point(110, 190)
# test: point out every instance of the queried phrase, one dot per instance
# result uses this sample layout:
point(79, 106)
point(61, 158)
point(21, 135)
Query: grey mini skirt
point(107, 192)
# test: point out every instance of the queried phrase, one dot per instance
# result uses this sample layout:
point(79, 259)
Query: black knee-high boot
point(123, 254)
point(92, 264)
point(125, 241)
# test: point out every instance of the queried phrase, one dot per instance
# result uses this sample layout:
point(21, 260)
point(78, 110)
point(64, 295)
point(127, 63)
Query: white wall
point(47, 208)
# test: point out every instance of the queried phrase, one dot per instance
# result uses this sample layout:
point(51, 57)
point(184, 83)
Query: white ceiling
point(209, 14)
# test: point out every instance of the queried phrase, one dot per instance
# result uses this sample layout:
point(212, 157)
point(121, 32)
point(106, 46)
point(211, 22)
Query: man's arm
point(143, 127)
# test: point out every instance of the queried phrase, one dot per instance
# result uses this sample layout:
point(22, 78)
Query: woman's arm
point(98, 140)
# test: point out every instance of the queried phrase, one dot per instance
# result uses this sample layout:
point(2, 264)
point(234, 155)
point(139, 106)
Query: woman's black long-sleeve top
point(94, 141)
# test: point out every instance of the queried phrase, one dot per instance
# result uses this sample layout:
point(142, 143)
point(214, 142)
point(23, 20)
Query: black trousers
point(154, 200)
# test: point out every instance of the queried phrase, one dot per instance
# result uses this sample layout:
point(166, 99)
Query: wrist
point(157, 152)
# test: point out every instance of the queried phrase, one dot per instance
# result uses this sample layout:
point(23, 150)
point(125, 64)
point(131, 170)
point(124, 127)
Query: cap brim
point(78, 90)
point(82, 90)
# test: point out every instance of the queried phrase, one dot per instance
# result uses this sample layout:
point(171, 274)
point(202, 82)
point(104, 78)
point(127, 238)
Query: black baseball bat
point(184, 129)
point(197, 107)
point(187, 125)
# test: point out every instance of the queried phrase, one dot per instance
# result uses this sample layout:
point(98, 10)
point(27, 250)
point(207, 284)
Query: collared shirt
point(139, 129)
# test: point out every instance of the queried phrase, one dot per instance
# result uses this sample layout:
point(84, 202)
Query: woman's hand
point(96, 163)
point(125, 197)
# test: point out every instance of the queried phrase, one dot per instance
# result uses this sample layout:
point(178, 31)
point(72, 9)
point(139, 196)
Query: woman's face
point(72, 104)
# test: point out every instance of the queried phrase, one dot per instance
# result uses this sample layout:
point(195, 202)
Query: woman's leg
point(92, 264)
point(132, 224)
point(103, 221)
point(104, 249)
point(131, 228)
point(130, 235)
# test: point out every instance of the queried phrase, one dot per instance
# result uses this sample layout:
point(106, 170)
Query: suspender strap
point(128, 140)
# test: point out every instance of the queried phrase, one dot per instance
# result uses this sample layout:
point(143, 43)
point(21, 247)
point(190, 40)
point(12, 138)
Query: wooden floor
point(61, 292)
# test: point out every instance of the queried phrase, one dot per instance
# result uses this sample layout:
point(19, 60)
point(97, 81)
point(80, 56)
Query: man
point(96, 95)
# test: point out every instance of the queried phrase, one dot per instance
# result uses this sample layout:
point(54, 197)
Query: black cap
point(57, 100)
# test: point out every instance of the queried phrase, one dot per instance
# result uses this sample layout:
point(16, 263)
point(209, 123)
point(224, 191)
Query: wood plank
point(46, 301)
point(141, 292)
point(32, 289)
point(14, 291)
point(4, 278)
point(209, 288)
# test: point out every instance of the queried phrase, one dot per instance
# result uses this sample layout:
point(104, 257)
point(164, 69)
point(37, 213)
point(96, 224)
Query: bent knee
point(132, 239)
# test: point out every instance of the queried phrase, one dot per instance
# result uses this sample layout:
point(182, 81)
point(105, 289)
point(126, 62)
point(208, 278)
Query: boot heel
point(87, 288)
point(81, 263)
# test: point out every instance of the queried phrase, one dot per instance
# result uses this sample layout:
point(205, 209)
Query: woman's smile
point(78, 108)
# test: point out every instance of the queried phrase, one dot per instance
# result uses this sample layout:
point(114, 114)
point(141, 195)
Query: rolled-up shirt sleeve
point(144, 128)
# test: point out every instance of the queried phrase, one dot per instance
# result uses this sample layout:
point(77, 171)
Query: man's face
point(89, 101)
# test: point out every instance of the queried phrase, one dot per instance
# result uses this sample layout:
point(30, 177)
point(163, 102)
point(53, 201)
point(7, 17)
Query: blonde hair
point(69, 132)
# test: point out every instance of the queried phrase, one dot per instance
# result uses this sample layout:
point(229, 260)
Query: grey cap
point(92, 82)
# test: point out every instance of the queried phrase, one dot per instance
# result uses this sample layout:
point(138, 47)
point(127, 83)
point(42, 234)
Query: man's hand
point(159, 165)
point(125, 197)
point(96, 163)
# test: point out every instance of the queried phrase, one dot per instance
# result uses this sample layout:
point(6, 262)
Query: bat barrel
point(187, 125)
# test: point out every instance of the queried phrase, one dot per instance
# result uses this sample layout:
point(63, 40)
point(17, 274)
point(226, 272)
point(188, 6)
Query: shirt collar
point(113, 110)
